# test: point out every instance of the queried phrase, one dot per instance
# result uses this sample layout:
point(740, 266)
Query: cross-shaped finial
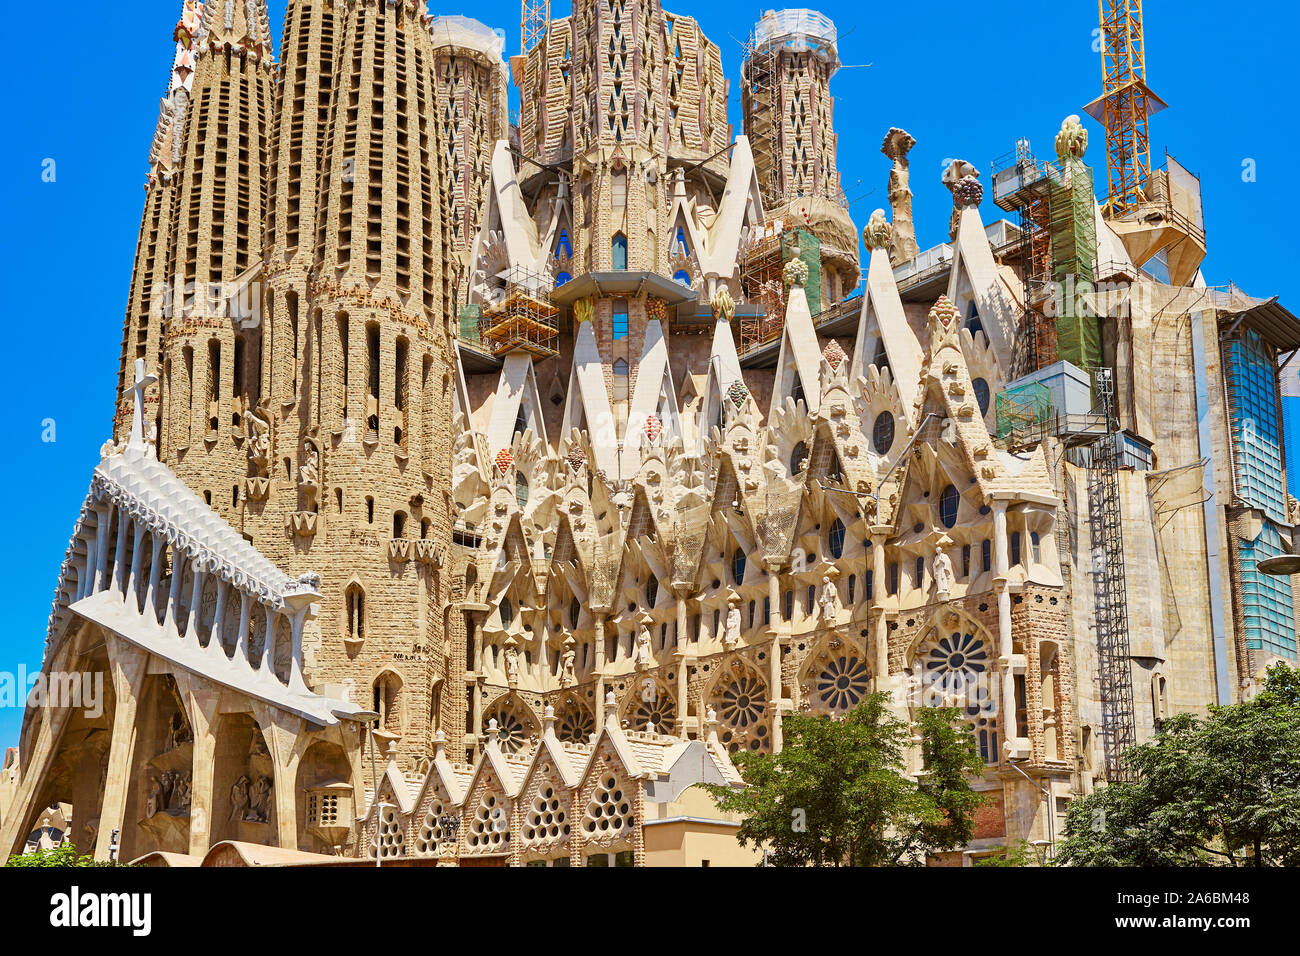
point(142, 381)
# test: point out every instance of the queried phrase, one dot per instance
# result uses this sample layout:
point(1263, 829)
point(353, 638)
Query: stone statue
point(259, 800)
point(153, 804)
point(829, 602)
point(259, 440)
point(239, 800)
point(512, 663)
point(943, 576)
point(309, 476)
point(643, 656)
point(902, 246)
point(567, 676)
point(177, 733)
point(731, 635)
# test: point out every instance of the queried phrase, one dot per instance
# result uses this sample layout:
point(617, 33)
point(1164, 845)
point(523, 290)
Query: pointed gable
point(882, 324)
point(797, 364)
point(976, 288)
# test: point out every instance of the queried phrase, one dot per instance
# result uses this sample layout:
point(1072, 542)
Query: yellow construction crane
point(532, 25)
point(1125, 105)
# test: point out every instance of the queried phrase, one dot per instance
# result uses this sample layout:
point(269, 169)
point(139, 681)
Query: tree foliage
point(1217, 791)
point(838, 795)
point(60, 856)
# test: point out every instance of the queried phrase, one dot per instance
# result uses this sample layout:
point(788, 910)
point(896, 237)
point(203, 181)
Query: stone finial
point(1072, 140)
point(548, 721)
point(711, 726)
point(943, 325)
point(795, 272)
point(493, 733)
point(611, 700)
point(962, 180)
point(584, 310)
point(902, 246)
point(724, 306)
point(877, 232)
point(440, 744)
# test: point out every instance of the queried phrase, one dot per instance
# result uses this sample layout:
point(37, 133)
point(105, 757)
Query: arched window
point(683, 277)
point(562, 246)
point(798, 457)
point(949, 501)
point(1035, 548)
point(507, 611)
point(853, 587)
point(738, 562)
point(796, 391)
point(986, 552)
point(399, 524)
point(881, 358)
point(973, 323)
point(680, 247)
point(882, 433)
point(651, 591)
point(355, 600)
point(919, 573)
point(618, 253)
point(620, 381)
point(575, 611)
point(388, 701)
point(788, 602)
point(1015, 548)
point(521, 489)
point(835, 539)
point(982, 394)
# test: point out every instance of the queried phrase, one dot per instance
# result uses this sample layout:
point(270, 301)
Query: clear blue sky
point(966, 81)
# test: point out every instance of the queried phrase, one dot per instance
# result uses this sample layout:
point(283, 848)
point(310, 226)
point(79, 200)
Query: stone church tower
point(290, 279)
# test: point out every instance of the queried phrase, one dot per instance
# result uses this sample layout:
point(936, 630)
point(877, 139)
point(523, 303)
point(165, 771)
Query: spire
point(243, 25)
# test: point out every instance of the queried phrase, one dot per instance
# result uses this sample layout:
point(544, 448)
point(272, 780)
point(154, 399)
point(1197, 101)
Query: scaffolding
point(522, 319)
point(1110, 599)
point(1021, 185)
point(1073, 229)
point(760, 84)
point(762, 281)
point(1022, 409)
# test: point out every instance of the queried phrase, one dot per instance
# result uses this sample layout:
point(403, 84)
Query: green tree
point(1217, 791)
point(838, 795)
point(65, 855)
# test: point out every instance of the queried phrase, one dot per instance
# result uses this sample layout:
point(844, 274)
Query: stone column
point(201, 710)
point(102, 533)
point(18, 823)
point(600, 670)
point(1007, 709)
point(126, 664)
point(681, 591)
point(283, 735)
point(777, 624)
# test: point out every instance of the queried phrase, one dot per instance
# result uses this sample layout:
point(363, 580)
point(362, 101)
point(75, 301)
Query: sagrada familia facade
point(560, 459)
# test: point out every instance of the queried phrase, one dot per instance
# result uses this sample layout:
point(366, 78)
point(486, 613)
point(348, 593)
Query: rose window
point(954, 664)
point(741, 706)
point(576, 724)
point(658, 711)
point(513, 729)
point(842, 683)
